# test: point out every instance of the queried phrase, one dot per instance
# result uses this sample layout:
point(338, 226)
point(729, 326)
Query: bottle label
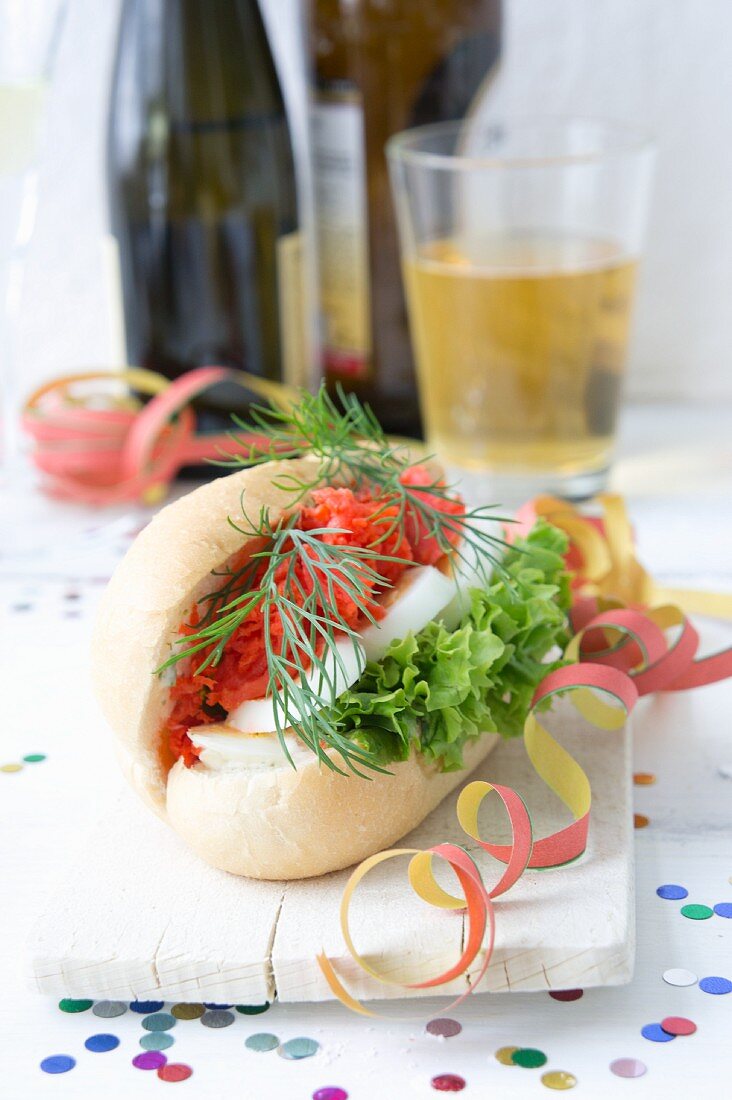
point(341, 222)
point(290, 292)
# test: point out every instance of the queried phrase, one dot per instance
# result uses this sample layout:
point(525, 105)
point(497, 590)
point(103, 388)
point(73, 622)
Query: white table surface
point(676, 471)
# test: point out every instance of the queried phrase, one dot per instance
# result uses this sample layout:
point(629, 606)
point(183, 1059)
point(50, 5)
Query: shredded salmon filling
point(242, 672)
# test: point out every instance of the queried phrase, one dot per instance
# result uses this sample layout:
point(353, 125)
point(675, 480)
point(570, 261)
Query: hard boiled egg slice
point(343, 663)
point(223, 747)
point(421, 595)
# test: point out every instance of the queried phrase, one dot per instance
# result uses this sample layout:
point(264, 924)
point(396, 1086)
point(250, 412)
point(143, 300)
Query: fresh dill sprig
point(292, 581)
point(352, 449)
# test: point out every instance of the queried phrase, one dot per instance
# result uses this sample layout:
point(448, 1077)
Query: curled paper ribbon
point(617, 654)
point(98, 444)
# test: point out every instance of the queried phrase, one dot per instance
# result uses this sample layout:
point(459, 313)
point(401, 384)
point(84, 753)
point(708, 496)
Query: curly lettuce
point(438, 689)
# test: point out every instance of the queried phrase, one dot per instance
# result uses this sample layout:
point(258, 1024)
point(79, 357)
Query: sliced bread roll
point(263, 822)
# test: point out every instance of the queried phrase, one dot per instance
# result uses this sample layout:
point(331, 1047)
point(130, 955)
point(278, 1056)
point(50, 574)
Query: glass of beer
point(520, 244)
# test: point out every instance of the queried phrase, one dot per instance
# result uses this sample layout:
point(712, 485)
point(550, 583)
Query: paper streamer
point(623, 647)
point(95, 442)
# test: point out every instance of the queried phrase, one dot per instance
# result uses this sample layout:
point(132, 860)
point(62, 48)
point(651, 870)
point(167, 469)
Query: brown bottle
point(381, 66)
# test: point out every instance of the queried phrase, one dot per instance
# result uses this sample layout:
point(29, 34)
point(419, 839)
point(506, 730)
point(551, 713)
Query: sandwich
point(301, 659)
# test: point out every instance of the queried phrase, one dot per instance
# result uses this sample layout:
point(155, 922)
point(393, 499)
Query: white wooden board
point(140, 917)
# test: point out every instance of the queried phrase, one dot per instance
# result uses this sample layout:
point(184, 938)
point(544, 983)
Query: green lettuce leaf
point(436, 690)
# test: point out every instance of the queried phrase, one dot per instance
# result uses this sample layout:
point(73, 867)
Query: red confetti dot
point(678, 1025)
point(448, 1082)
point(566, 994)
point(174, 1071)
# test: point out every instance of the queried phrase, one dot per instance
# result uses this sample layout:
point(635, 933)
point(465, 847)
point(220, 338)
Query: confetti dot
point(34, 757)
point(672, 892)
point(715, 985)
point(696, 912)
point(529, 1058)
point(159, 1021)
point(150, 1059)
point(207, 1005)
point(330, 1092)
point(107, 1010)
point(558, 1079)
point(295, 1049)
point(157, 1040)
point(448, 1082)
point(217, 1017)
point(505, 1055)
point(644, 779)
point(678, 1025)
point(68, 1004)
point(187, 1011)
point(723, 909)
point(262, 1041)
point(444, 1027)
point(58, 1063)
point(640, 821)
point(100, 1044)
point(679, 976)
point(144, 1007)
point(566, 994)
point(10, 768)
point(252, 1010)
point(628, 1067)
point(656, 1034)
point(175, 1071)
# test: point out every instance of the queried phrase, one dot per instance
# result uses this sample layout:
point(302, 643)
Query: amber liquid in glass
point(521, 343)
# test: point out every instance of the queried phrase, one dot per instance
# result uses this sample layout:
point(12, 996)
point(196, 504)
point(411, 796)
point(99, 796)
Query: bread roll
point(263, 822)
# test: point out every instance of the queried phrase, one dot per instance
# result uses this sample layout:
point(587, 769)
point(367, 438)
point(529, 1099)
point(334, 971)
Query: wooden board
point(140, 917)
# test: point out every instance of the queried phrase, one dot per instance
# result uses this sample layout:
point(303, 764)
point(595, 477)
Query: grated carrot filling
point(242, 673)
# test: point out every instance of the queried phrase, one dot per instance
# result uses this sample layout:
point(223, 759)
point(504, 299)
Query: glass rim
point(635, 140)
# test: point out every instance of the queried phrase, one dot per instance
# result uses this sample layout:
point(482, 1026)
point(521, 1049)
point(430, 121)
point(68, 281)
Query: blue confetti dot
point(100, 1044)
point(207, 1005)
point(716, 985)
point(671, 892)
point(656, 1034)
point(58, 1063)
point(724, 909)
point(145, 1007)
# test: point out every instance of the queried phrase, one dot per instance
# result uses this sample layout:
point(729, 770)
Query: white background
point(665, 63)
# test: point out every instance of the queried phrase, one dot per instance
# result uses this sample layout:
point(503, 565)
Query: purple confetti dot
point(672, 892)
point(150, 1059)
point(628, 1067)
point(58, 1063)
point(444, 1027)
point(330, 1092)
point(724, 909)
point(656, 1034)
point(716, 985)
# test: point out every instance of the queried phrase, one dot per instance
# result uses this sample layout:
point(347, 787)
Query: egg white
point(248, 739)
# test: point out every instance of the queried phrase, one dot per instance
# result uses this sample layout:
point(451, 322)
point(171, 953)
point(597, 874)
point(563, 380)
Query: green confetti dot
point(34, 757)
point(697, 912)
point(529, 1058)
point(262, 1042)
point(68, 1004)
point(157, 1040)
point(252, 1010)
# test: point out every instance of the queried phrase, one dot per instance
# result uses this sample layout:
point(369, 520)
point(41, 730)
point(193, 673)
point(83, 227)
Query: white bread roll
point(273, 823)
